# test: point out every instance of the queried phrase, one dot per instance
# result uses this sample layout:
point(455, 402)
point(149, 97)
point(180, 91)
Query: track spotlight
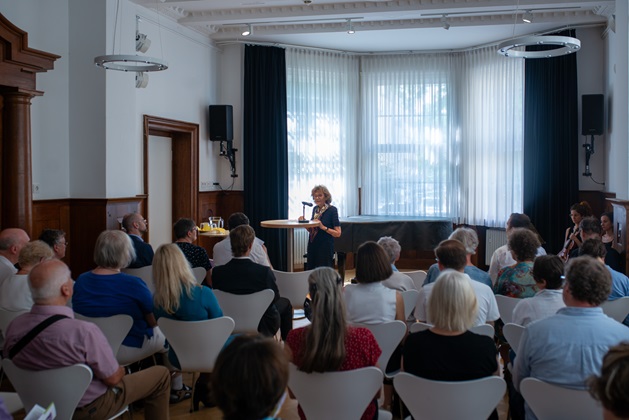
point(142, 43)
point(141, 80)
point(350, 27)
point(527, 17)
point(444, 22)
point(248, 31)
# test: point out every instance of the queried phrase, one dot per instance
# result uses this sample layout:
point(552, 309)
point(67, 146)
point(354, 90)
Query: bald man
point(12, 240)
point(68, 341)
point(136, 225)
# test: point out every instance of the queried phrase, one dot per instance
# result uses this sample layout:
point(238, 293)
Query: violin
point(568, 246)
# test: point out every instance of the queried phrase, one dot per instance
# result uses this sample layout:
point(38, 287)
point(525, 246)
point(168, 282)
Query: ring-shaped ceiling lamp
point(130, 63)
point(564, 44)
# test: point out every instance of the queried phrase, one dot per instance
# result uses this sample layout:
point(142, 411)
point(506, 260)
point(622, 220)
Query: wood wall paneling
point(219, 204)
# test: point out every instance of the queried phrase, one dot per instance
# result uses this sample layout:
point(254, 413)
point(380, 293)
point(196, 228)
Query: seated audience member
point(620, 283)
point(452, 255)
point(242, 276)
point(611, 388)
point(469, 239)
point(369, 301)
point(250, 378)
point(568, 347)
point(11, 242)
point(613, 257)
point(548, 273)
point(14, 292)
point(222, 252)
point(398, 281)
point(136, 225)
point(502, 256)
point(105, 291)
point(448, 351)
point(329, 344)
point(56, 240)
point(69, 341)
point(178, 296)
point(185, 234)
point(517, 281)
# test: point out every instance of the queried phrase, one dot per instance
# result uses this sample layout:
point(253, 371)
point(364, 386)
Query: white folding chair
point(197, 343)
point(388, 335)
point(245, 310)
point(11, 401)
point(437, 400)
point(410, 301)
point(64, 386)
point(336, 395)
point(115, 327)
point(418, 326)
point(617, 309)
point(484, 329)
point(6, 317)
point(513, 334)
point(199, 274)
point(294, 287)
point(550, 402)
point(506, 305)
point(145, 273)
point(418, 277)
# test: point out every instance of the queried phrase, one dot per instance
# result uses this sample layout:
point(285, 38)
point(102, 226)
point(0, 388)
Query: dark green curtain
point(265, 146)
point(551, 143)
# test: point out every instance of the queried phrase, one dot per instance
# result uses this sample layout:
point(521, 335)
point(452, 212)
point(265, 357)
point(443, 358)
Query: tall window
point(440, 135)
point(322, 107)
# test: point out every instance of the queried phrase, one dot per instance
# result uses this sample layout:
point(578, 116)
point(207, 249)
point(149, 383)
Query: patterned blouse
point(516, 281)
point(196, 256)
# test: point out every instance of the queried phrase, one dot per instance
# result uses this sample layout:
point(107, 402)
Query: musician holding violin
point(573, 238)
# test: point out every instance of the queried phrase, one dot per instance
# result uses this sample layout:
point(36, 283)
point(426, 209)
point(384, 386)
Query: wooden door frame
point(185, 163)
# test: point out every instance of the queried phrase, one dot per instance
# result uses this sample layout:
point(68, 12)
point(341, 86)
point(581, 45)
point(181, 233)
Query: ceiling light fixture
point(123, 62)
point(527, 17)
point(516, 48)
point(350, 27)
point(142, 43)
point(444, 22)
point(141, 80)
point(248, 30)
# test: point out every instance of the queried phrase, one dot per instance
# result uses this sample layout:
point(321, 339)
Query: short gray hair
point(391, 246)
point(46, 278)
point(113, 249)
point(452, 304)
point(467, 237)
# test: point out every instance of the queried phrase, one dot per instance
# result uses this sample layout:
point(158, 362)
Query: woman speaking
point(321, 238)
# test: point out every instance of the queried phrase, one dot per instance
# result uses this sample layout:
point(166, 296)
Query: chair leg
point(195, 376)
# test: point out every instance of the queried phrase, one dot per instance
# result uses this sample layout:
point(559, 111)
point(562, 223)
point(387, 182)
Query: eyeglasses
point(63, 243)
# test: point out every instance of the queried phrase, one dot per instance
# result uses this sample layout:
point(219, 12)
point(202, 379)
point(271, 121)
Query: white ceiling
point(398, 25)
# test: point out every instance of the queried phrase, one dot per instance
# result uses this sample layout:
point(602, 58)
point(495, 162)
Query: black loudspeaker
point(221, 123)
point(592, 112)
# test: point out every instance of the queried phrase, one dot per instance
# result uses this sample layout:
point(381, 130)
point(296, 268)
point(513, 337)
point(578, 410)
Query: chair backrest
point(617, 309)
point(484, 329)
point(11, 401)
point(388, 335)
point(410, 301)
point(245, 310)
point(418, 326)
point(335, 395)
point(436, 400)
point(554, 402)
point(64, 386)
point(6, 317)
point(506, 305)
point(513, 334)
point(197, 343)
point(418, 277)
point(199, 274)
point(115, 328)
point(145, 273)
point(293, 286)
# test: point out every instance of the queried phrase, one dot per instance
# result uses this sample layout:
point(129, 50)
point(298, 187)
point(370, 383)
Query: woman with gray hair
point(105, 291)
point(398, 281)
point(469, 239)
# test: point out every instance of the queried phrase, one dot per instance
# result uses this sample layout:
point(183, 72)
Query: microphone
point(305, 203)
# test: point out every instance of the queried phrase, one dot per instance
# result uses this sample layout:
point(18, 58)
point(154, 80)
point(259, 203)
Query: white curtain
point(322, 104)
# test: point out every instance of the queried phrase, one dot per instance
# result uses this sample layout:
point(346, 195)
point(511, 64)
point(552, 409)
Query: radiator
point(300, 246)
point(494, 239)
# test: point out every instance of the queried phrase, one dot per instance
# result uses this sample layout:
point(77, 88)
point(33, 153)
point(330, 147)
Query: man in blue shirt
point(566, 348)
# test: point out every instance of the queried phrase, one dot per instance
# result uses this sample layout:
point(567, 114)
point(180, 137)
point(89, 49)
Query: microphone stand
point(303, 214)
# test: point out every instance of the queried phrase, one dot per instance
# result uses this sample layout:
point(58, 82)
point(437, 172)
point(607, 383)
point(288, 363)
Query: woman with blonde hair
point(178, 296)
point(329, 344)
point(448, 351)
